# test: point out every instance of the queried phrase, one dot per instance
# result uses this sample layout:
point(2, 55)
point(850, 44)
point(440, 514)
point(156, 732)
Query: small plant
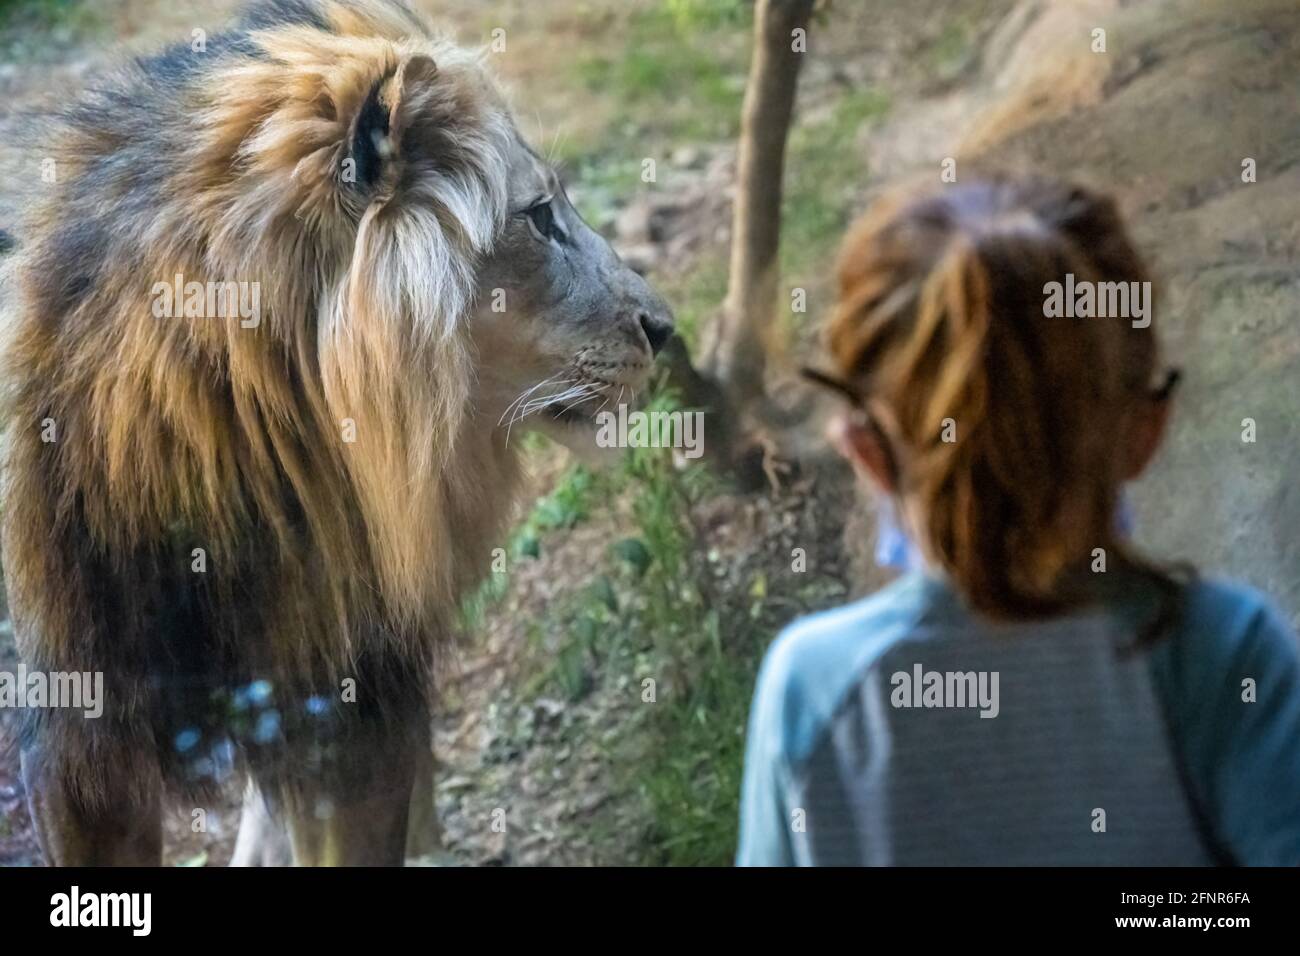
point(567, 505)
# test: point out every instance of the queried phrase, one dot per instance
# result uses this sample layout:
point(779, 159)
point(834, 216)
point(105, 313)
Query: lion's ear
point(375, 139)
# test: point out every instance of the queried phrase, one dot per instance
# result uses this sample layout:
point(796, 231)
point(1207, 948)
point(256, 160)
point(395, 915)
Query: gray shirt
point(904, 729)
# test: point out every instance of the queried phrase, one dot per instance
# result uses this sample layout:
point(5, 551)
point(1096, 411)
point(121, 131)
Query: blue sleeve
point(1242, 749)
point(764, 816)
point(808, 670)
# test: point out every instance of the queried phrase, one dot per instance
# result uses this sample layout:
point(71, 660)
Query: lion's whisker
point(526, 392)
point(521, 397)
point(520, 411)
point(532, 406)
point(513, 406)
point(565, 397)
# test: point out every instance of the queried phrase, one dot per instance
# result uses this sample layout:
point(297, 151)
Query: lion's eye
point(541, 217)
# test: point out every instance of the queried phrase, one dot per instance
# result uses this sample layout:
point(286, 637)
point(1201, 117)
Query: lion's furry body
point(325, 559)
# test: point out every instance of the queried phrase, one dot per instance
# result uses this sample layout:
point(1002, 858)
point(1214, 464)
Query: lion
point(270, 331)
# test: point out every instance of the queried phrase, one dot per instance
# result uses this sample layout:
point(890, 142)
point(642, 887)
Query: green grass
point(659, 621)
point(825, 166)
point(688, 15)
point(679, 68)
point(704, 643)
point(952, 50)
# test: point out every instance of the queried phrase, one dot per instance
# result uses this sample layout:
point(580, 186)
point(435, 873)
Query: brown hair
point(1005, 426)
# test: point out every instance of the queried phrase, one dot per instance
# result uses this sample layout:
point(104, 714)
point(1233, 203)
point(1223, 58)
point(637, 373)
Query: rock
point(689, 157)
point(633, 223)
point(547, 709)
point(641, 258)
point(592, 801)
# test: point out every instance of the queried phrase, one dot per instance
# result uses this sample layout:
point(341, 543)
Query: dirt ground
point(1185, 92)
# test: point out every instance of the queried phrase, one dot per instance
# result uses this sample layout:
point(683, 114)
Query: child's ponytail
point(1005, 422)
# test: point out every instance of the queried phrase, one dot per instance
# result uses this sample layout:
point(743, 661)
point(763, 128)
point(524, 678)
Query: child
point(1033, 691)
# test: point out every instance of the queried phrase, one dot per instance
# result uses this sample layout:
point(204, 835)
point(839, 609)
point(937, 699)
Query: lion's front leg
point(424, 832)
point(263, 840)
point(360, 822)
point(122, 828)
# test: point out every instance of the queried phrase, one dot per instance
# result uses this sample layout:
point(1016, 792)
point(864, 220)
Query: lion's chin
point(577, 432)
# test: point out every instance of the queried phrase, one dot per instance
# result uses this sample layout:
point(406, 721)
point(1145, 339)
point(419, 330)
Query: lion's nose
point(657, 329)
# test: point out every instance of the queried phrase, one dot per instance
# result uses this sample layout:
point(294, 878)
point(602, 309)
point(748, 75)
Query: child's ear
point(375, 138)
point(861, 447)
point(1150, 422)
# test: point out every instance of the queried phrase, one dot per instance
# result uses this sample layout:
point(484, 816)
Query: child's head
point(1003, 428)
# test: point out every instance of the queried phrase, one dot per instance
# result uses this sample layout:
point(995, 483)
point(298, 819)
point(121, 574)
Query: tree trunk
point(737, 352)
